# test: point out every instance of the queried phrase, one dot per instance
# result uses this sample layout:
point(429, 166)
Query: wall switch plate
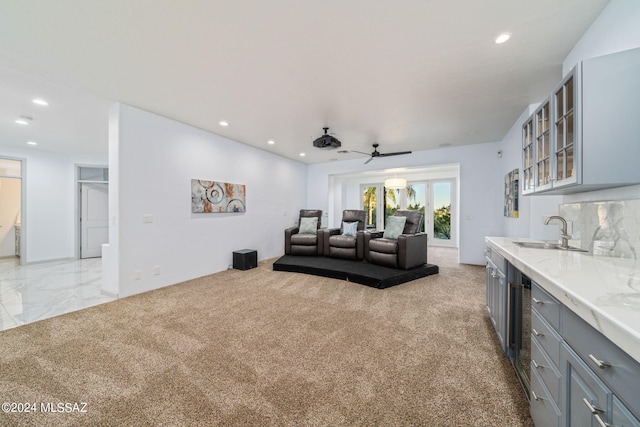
point(147, 218)
point(137, 275)
point(156, 270)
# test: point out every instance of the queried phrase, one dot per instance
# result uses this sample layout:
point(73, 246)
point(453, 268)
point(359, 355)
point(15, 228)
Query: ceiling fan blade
point(397, 153)
point(360, 152)
point(368, 160)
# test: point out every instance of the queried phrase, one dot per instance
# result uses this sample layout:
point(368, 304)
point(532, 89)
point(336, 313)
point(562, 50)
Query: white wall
point(156, 159)
point(481, 188)
point(617, 28)
point(48, 214)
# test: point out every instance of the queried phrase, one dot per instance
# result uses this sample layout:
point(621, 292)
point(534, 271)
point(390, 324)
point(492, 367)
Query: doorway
point(436, 198)
point(11, 208)
point(93, 219)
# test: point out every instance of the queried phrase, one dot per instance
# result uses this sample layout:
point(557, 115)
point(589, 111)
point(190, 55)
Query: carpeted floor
point(263, 347)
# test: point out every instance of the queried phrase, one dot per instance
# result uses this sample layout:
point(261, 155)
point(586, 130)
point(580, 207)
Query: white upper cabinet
point(585, 136)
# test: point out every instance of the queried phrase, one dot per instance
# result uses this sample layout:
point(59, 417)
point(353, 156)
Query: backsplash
point(605, 228)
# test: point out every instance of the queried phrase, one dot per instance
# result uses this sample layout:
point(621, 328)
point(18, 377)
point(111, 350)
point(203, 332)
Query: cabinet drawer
point(547, 371)
point(544, 411)
point(546, 336)
point(547, 306)
point(498, 260)
point(621, 372)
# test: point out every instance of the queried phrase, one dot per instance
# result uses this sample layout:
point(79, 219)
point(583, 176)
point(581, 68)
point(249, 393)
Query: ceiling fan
point(376, 153)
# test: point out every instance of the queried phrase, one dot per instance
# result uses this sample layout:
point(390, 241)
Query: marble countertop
point(603, 291)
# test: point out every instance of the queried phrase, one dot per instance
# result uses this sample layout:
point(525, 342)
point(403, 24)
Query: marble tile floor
point(39, 291)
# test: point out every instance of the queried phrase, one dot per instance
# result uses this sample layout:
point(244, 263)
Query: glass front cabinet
point(528, 169)
point(584, 136)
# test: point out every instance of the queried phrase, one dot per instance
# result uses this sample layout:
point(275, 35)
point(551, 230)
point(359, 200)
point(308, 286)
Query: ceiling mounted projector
point(327, 141)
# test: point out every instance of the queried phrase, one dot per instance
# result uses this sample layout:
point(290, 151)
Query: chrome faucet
point(563, 231)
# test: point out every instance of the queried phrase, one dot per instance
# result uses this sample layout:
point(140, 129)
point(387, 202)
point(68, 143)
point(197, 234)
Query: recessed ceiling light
point(40, 101)
point(32, 143)
point(302, 154)
point(503, 38)
point(23, 120)
point(223, 123)
point(271, 142)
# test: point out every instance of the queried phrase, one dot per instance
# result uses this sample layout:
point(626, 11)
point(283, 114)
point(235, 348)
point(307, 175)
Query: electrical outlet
point(137, 275)
point(156, 270)
point(147, 218)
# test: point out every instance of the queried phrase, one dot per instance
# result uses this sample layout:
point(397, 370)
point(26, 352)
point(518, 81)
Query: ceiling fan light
point(395, 183)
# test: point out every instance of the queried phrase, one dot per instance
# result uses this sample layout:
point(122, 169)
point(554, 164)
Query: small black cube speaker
point(245, 259)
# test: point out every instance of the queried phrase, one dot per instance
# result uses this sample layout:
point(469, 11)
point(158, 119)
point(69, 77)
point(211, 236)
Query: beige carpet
point(259, 348)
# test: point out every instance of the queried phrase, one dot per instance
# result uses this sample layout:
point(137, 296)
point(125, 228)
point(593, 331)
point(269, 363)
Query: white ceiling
point(410, 74)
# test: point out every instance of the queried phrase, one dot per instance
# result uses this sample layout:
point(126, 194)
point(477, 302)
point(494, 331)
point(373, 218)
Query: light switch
point(147, 218)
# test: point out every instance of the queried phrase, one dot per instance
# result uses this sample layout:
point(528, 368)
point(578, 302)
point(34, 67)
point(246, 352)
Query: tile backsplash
point(608, 228)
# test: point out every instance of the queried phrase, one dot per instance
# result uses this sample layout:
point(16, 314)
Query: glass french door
point(435, 198)
point(369, 199)
point(443, 228)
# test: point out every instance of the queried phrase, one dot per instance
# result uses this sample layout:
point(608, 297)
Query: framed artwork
point(511, 194)
point(217, 197)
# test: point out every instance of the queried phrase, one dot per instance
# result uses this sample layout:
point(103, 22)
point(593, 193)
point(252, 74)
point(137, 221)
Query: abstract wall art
point(217, 197)
point(511, 194)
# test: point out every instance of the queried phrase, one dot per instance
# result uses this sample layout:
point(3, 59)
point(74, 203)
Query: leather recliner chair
point(407, 251)
point(339, 245)
point(310, 243)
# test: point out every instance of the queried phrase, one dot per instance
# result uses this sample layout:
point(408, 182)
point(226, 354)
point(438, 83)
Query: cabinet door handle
point(593, 409)
point(535, 364)
point(536, 333)
point(537, 301)
point(536, 397)
point(599, 363)
point(602, 423)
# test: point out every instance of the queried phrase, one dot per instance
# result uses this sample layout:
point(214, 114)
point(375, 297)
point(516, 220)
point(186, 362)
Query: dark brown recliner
point(407, 251)
point(296, 243)
point(339, 245)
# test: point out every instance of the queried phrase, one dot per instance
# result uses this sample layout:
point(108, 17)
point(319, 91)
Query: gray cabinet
point(583, 137)
point(496, 294)
point(578, 377)
point(618, 374)
point(586, 396)
point(546, 378)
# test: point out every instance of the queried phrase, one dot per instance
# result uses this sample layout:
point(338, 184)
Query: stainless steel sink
point(547, 245)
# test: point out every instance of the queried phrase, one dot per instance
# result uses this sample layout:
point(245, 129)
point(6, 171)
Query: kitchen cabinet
point(585, 352)
point(546, 379)
point(528, 166)
point(587, 396)
point(496, 294)
point(583, 137)
point(611, 374)
point(578, 377)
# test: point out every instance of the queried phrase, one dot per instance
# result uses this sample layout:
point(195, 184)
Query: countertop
point(603, 291)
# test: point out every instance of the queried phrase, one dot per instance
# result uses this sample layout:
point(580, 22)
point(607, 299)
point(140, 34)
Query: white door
point(94, 219)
